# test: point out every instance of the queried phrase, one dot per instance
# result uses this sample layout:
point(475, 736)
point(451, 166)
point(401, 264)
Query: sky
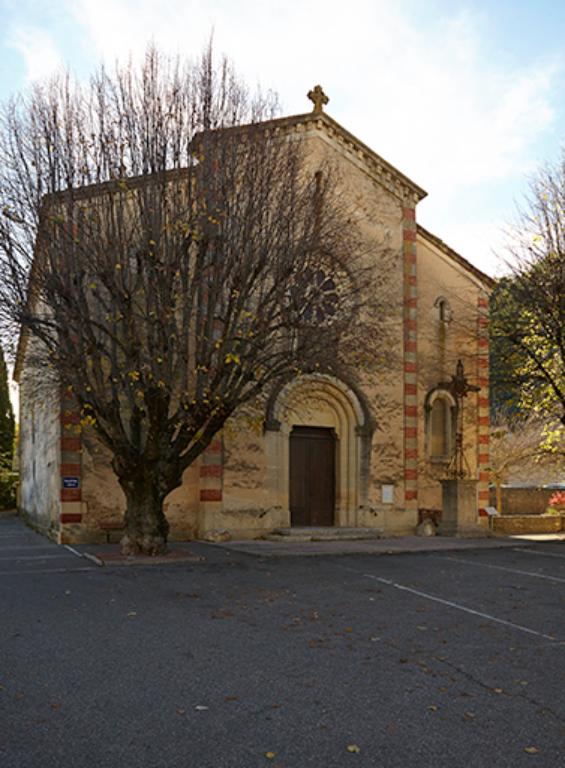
point(465, 98)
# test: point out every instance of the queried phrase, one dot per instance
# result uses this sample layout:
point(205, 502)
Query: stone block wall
point(516, 525)
point(523, 501)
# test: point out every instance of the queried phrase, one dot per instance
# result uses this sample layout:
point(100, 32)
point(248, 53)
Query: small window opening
point(444, 310)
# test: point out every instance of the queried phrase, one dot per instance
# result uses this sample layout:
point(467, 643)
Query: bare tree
point(175, 252)
point(520, 446)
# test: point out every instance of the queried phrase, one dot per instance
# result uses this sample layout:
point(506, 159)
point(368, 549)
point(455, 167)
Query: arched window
point(444, 309)
point(440, 411)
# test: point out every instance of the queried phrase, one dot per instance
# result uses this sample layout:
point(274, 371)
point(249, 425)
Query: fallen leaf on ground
point(270, 755)
point(432, 708)
point(55, 706)
point(353, 748)
point(230, 698)
point(498, 690)
point(181, 711)
point(222, 614)
point(531, 750)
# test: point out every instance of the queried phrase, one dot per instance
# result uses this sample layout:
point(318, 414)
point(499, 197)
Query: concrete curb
point(337, 549)
point(94, 559)
point(111, 559)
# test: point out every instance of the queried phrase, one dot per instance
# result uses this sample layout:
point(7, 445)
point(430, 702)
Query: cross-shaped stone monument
point(459, 491)
point(459, 387)
point(318, 98)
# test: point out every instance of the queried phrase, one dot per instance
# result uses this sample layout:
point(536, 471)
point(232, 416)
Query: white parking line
point(538, 552)
point(502, 568)
point(72, 549)
point(46, 570)
point(456, 606)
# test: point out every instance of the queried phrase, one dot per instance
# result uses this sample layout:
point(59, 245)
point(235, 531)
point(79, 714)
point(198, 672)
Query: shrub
point(8, 483)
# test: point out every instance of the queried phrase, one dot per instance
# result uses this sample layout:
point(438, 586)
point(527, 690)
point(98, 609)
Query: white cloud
point(38, 50)
point(480, 238)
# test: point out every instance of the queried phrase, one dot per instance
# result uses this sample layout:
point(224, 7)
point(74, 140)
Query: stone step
point(325, 533)
point(284, 538)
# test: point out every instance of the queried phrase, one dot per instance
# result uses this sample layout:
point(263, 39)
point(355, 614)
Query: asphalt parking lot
point(436, 659)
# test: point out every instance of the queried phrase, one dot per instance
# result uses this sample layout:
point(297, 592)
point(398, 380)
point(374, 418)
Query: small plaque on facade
point(71, 482)
point(387, 494)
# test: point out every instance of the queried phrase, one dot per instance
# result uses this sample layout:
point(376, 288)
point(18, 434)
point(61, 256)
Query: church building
point(363, 453)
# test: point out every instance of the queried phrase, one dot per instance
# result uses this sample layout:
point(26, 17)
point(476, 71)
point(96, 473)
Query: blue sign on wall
point(71, 482)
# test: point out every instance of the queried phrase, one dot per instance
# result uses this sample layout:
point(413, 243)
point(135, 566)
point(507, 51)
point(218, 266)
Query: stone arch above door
point(321, 400)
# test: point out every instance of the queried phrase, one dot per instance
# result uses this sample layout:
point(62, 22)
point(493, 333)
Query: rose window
point(318, 296)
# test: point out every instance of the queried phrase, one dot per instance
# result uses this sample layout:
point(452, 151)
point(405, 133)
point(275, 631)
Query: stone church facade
point(366, 452)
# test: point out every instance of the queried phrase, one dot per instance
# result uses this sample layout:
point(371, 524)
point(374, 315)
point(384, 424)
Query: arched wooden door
point(312, 476)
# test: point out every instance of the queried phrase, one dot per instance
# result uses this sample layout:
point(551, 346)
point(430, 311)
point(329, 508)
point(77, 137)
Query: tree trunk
point(145, 522)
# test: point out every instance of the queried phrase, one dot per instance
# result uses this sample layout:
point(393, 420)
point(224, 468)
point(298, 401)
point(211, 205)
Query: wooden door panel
point(312, 476)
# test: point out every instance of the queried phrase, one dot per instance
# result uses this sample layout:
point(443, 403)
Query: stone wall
point(39, 499)
point(441, 343)
point(516, 525)
point(523, 501)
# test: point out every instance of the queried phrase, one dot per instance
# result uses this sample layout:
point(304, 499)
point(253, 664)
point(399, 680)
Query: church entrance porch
point(312, 476)
point(318, 448)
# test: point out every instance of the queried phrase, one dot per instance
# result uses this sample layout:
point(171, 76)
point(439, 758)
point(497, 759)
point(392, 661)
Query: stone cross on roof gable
point(318, 98)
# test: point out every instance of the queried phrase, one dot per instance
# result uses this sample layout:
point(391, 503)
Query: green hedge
point(8, 483)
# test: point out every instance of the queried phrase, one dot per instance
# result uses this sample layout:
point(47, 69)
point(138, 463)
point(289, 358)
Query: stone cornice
point(377, 167)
